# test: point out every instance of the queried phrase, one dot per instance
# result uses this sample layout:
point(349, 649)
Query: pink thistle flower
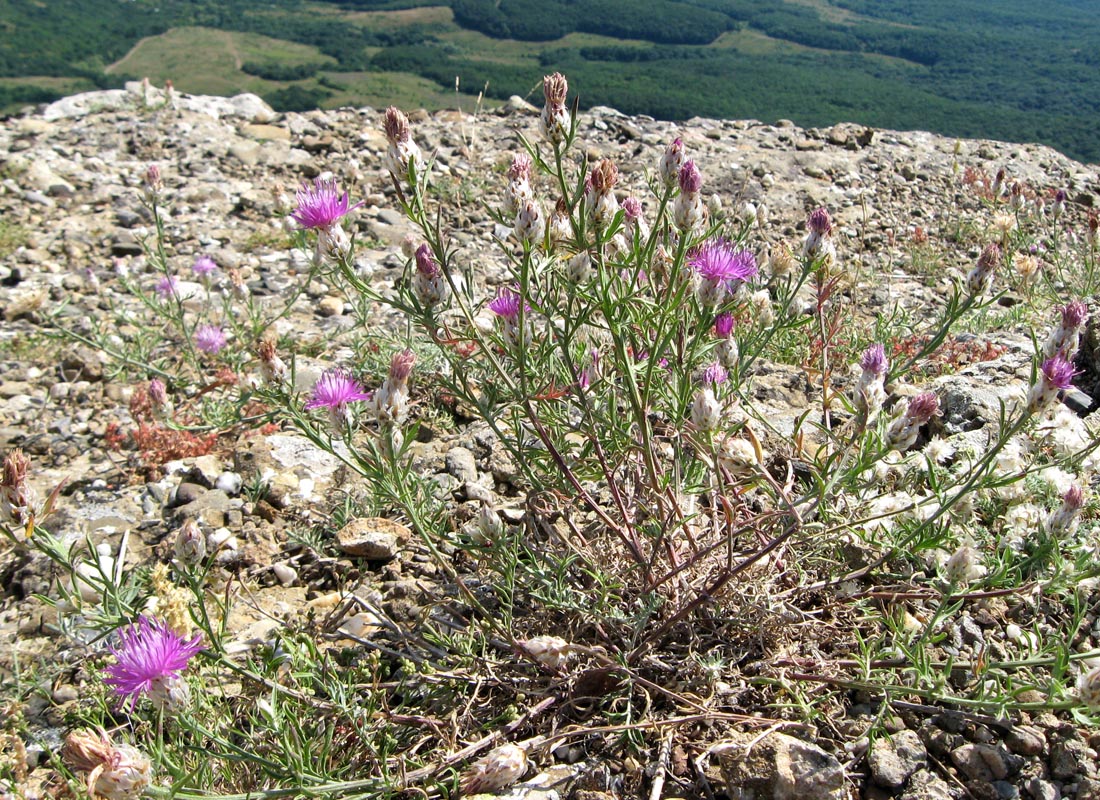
point(874, 360)
point(691, 180)
point(506, 304)
point(718, 262)
point(168, 286)
point(1059, 373)
point(319, 206)
point(715, 374)
point(723, 325)
point(335, 389)
point(632, 208)
point(425, 262)
point(1074, 315)
point(209, 338)
point(158, 392)
point(401, 366)
point(521, 167)
point(150, 654)
point(923, 407)
point(820, 222)
point(203, 266)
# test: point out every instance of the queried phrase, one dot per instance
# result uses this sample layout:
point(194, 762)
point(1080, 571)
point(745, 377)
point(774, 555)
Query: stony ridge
point(70, 202)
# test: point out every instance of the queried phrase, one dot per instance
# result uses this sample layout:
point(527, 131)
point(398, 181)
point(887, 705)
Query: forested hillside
point(1013, 70)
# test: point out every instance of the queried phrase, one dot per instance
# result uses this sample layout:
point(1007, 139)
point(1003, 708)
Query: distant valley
point(1011, 69)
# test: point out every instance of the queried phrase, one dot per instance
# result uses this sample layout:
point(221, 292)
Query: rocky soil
point(71, 211)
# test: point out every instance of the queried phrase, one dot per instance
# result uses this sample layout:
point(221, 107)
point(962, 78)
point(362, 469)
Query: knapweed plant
point(661, 547)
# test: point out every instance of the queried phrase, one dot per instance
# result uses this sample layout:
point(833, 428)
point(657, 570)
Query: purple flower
point(335, 389)
point(820, 222)
point(1059, 373)
point(425, 261)
point(168, 286)
point(150, 652)
point(320, 206)
point(158, 392)
point(203, 266)
point(632, 208)
point(723, 325)
point(691, 180)
point(209, 338)
point(1074, 315)
point(715, 374)
point(718, 262)
point(506, 304)
point(922, 408)
point(874, 360)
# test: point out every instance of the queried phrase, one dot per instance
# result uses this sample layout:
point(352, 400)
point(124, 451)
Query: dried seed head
point(396, 125)
point(85, 749)
point(550, 651)
point(605, 176)
point(501, 767)
point(555, 89)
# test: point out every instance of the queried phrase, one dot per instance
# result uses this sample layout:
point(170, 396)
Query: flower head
point(209, 338)
point(168, 286)
point(320, 206)
point(690, 178)
point(396, 126)
point(715, 374)
point(1074, 315)
point(203, 266)
point(874, 360)
point(1059, 373)
point(671, 162)
point(820, 222)
point(923, 407)
point(150, 653)
point(716, 260)
point(335, 389)
point(425, 262)
point(723, 325)
point(555, 120)
point(506, 304)
point(632, 208)
point(520, 168)
point(401, 366)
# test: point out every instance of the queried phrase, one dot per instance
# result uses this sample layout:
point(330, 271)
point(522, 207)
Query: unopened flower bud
point(402, 150)
point(530, 224)
point(429, 283)
point(688, 211)
point(489, 527)
point(738, 456)
point(579, 269)
point(964, 567)
point(1088, 688)
point(17, 498)
point(671, 163)
point(819, 230)
point(555, 121)
point(190, 544)
point(706, 411)
point(872, 392)
point(981, 277)
point(272, 368)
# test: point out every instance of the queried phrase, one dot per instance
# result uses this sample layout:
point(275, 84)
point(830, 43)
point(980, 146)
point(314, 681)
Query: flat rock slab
point(372, 538)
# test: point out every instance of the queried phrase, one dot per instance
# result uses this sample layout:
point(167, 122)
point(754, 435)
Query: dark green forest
point(1013, 69)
